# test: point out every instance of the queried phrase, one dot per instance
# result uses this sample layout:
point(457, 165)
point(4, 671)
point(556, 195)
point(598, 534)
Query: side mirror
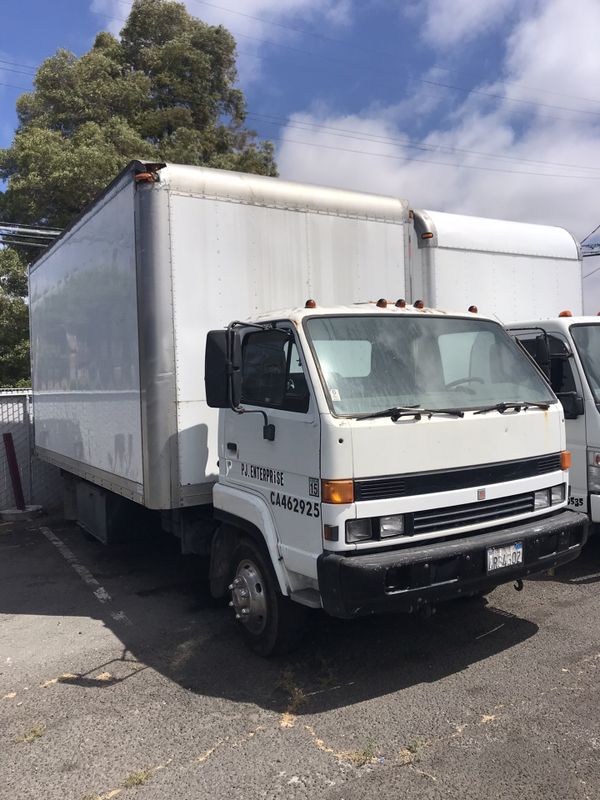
point(572, 404)
point(542, 354)
point(235, 367)
point(222, 369)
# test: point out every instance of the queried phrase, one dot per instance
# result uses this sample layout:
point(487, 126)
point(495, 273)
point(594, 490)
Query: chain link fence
point(42, 484)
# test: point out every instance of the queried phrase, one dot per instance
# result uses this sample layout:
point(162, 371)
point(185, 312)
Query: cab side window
point(272, 373)
point(560, 370)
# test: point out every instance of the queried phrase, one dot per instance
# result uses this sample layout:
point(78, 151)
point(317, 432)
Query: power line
point(438, 163)
point(27, 232)
point(355, 47)
point(46, 229)
point(425, 81)
point(19, 71)
point(17, 64)
point(410, 143)
point(14, 240)
point(14, 86)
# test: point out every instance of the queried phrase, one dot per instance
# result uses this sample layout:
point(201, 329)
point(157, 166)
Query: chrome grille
point(439, 519)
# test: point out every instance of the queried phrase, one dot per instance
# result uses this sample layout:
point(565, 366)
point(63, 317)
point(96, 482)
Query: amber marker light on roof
point(419, 304)
point(381, 303)
point(310, 304)
point(401, 303)
point(337, 492)
point(566, 314)
point(473, 309)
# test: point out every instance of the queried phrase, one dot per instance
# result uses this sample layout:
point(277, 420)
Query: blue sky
point(487, 107)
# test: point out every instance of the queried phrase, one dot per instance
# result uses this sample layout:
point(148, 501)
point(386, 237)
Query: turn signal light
point(565, 459)
point(427, 235)
point(337, 491)
point(144, 177)
point(566, 314)
point(331, 533)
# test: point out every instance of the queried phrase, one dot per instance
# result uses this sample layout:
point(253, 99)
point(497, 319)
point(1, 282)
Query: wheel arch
point(249, 515)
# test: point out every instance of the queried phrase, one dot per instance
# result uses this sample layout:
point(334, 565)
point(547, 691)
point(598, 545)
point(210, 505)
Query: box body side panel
point(231, 260)
point(85, 359)
point(506, 285)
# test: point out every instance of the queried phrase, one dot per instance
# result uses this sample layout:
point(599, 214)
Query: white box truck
point(336, 454)
point(529, 277)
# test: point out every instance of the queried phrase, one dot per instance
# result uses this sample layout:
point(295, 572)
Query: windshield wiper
point(411, 411)
point(502, 407)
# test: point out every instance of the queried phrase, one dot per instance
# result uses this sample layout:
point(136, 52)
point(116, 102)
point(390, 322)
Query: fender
point(253, 509)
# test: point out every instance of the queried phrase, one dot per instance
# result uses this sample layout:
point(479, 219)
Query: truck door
point(566, 384)
point(285, 471)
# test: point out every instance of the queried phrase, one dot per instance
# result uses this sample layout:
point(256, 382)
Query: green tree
point(14, 320)
point(164, 91)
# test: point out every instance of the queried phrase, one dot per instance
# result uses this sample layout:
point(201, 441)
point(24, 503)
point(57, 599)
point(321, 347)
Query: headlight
point(391, 526)
point(358, 530)
point(558, 494)
point(541, 499)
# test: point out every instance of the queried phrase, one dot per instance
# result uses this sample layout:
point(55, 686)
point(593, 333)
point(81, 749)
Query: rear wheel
point(271, 623)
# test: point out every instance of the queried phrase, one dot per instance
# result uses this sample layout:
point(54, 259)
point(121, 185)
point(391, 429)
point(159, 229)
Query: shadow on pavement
point(179, 631)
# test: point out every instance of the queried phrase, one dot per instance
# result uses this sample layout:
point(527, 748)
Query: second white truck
point(530, 278)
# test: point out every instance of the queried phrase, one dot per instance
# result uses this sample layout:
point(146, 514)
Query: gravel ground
point(120, 678)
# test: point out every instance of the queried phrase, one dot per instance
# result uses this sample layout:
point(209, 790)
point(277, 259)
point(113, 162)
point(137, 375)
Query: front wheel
point(271, 623)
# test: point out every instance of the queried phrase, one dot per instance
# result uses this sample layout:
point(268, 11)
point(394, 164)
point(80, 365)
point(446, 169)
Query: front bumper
point(354, 585)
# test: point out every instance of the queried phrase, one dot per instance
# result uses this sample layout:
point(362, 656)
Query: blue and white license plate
point(509, 555)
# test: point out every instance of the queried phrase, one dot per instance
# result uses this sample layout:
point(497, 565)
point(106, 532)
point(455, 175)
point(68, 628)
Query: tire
point(271, 624)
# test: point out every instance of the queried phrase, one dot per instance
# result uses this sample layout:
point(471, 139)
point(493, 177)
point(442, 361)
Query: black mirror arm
point(268, 429)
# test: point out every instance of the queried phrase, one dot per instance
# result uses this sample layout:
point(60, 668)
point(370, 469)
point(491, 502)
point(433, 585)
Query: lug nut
point(245, 611)
point(230, 604)
point(243, 593)
point(237, 616)
point(230, 587)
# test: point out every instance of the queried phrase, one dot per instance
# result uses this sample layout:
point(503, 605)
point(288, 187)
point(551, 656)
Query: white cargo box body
point(122, 302)
point(513, 270)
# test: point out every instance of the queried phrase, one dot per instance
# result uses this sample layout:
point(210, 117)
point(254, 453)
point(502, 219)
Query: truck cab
point(567, 349)
point(379, 457)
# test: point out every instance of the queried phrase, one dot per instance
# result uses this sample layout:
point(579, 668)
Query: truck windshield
point(587, 342)
point(373, 362)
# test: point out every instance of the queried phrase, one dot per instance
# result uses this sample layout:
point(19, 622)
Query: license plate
point(510, 555)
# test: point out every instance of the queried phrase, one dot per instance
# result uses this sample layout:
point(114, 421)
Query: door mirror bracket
point(268, 428)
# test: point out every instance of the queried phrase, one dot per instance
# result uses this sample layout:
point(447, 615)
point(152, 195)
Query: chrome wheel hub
point(248, 597)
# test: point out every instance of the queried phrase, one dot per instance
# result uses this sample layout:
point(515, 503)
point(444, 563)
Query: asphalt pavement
point(119, 677)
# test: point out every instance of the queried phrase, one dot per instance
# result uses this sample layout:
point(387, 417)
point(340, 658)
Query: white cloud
point(449, 22)
point(540, 65)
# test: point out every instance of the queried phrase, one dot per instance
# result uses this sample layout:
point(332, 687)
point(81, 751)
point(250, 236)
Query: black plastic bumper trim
point(354, 584)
